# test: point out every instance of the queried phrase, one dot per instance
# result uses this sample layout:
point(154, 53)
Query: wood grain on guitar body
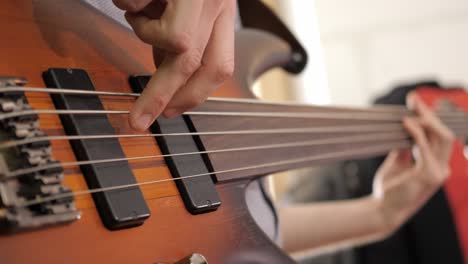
point(154, 201)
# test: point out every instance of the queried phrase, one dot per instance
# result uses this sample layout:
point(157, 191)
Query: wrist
point(387, 217)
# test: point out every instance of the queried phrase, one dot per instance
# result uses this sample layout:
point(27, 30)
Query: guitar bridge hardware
point(12, 81)
point(14, 192)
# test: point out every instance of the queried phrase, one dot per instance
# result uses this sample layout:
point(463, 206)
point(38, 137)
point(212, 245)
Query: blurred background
point(360, 50)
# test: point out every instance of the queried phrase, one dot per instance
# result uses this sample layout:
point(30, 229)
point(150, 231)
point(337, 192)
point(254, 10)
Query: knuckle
point(224, 71)
point(159, 101)
point(180, 41)
point(194, 102)
point(190, 63)
point(438, 176)
point(194, 99)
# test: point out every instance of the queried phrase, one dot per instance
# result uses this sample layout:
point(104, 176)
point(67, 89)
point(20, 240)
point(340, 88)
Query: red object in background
point(456, 186)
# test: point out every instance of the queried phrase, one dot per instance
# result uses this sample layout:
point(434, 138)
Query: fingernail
point(143, 121)
point(168, 113)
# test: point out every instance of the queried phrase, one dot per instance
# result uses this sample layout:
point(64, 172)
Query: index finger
point(159, 90)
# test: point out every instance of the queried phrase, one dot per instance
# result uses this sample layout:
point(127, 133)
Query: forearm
point(332, 225)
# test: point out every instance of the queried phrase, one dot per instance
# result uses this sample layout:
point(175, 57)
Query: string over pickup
point(199, 194)
point(118, 209)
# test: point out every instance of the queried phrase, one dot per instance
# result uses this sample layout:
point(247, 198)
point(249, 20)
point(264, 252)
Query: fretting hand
point(193, 47)
point(402, 185)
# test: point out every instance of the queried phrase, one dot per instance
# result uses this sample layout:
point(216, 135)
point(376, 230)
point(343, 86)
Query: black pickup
point(118, 208)
point(199, 193)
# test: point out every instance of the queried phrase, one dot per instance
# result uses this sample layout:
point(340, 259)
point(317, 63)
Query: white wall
point(369, 45)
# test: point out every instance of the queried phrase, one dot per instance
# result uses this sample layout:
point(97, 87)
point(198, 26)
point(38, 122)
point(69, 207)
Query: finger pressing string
point(441, 138)
point(413, 126)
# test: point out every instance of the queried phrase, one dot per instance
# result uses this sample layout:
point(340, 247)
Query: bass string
point(390, 108)
point(318, 142)
point(378, 108)
point(356, 138)
point(331, 155)
point(297, 130)
point(293, 130)
point(321, 114)
point(302, 115)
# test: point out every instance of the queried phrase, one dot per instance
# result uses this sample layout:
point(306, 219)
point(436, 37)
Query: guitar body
point(37, 35)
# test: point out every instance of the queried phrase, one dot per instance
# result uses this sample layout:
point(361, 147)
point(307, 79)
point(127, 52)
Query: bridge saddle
point(15, 191)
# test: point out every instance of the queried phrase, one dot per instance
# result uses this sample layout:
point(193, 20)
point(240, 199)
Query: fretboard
point(263, 138)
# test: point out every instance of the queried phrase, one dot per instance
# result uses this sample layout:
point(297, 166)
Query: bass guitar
point(77, 184)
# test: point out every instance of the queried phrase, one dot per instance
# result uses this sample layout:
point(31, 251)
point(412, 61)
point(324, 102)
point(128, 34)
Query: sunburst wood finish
point(37, 35)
